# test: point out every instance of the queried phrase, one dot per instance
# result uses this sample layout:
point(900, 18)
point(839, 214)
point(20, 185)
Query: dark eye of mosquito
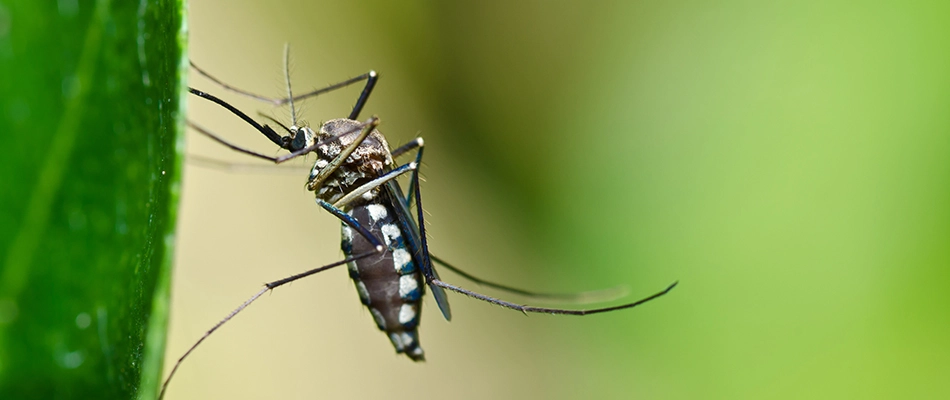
point(300, 139)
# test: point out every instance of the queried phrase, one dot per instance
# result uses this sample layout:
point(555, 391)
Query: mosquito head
point(300, 137)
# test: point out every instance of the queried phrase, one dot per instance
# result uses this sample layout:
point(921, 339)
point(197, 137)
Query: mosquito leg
point(277, 160)
point(578, 297)
point(435, 282)
point(542, 310)
point(286, 142)
point(418, 142)
point(420, 249)
point(267, 287)
point(275, 102)
point(575, 297)
point(375, 183)
point(244, 167)
point(229, 166)
point(415, 144)
point(591, 296)
point(350, 221)
point(370, 77)
point(235, 147)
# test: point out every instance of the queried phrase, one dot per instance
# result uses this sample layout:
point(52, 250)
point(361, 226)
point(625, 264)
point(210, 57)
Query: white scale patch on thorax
point(330, 150)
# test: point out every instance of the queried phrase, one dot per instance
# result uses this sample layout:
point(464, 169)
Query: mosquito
point(385, 248)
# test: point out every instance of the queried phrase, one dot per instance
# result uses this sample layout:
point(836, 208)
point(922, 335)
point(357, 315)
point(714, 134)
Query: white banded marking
point(391, 233)
point(364, 293)
point(407, 339)
point(401, 258)
point(347, 233)
point(397, 342)
point(407, 313)
point(380, 320)
point(407, 284)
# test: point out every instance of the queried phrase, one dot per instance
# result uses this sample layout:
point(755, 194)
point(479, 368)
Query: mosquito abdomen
point(390, 284)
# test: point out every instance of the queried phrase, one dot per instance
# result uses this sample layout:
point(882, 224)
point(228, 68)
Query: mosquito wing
point(440, 297)
point(408, 226)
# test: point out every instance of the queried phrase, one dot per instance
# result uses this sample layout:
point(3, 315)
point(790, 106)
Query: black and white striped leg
point(434, 282)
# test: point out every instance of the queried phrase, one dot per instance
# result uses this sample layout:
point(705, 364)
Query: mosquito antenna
point(290, 93)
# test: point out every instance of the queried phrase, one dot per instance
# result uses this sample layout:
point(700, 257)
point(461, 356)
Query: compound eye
point(303, 137)
point(300, 139)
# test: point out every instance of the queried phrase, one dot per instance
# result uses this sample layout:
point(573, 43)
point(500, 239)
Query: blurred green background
point(788, 163)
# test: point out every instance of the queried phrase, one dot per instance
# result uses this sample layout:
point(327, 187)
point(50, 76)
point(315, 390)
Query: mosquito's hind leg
point(340, 214)
point(434, 282)
point(267, 287)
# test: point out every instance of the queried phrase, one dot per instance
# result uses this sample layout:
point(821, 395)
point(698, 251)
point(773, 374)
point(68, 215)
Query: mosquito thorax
point(368, 161)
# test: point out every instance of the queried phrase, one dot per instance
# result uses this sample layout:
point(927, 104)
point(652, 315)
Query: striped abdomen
point(390, 284)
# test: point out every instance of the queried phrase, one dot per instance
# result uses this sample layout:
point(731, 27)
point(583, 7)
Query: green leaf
point(90, 107)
